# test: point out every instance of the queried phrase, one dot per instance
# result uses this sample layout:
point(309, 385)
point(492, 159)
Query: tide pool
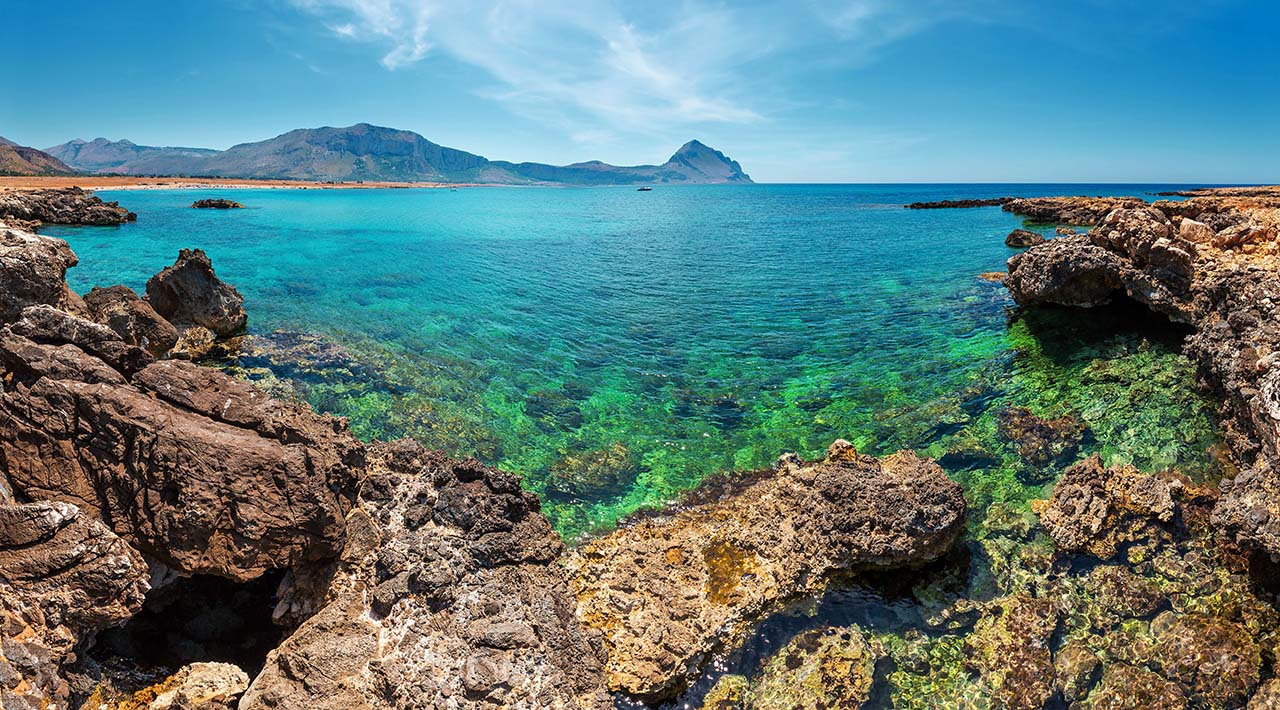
point(616, 347)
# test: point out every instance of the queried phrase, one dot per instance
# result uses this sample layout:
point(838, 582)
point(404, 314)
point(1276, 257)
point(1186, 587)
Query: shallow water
point(617, 347)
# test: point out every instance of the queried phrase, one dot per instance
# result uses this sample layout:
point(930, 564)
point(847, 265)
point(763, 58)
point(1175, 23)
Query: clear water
point(616, 347)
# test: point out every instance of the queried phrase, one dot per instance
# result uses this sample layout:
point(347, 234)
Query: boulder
point(448, 587)
point(670, 590)
point(1040, 442)
point(132, 318)
point(202, 472)
point(1023, 238)
point(190, 294)
point(1098, 510)
point(32, 271)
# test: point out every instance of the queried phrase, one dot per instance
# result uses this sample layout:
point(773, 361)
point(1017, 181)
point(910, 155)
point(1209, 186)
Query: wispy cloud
point(597, 69)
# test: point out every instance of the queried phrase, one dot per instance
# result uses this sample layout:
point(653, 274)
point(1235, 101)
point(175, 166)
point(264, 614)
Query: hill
point(20, 160)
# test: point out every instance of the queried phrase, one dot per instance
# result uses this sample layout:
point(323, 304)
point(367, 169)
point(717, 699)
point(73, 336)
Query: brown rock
point(1023, 238)
point(1040, 442)
point(189, 293)
point(1069, 210)
point(204, 473)
point(32, 270)
point(669, 591)
point(1097, 510)
point(448, 588)
point(133, 319)
point(68, 205)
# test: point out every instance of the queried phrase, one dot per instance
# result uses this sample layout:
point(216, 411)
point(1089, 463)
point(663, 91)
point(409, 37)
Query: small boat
point(643, 189)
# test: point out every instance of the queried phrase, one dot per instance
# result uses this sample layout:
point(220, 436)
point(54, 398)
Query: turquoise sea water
point(616, 347)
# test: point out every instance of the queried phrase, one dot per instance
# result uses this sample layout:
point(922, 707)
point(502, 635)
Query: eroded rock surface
point(1069, 210)
point(190, 294)
point(33, 270)
point(67, 205)
point(1213, 262)
point(63, 577)
point(448, 593)
point(666, 592)
point(1023, 238)
point(132, 318)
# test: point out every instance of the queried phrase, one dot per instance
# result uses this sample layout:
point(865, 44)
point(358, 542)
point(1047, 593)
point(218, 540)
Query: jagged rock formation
point(68, 205)
point(1212, 262)
point(33, 270)
point(667, 592)
point(132, 318)
point(447, 590)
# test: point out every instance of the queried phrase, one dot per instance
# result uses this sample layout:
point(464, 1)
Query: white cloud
point(594, 69)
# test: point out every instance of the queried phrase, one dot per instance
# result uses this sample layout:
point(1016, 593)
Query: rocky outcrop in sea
point(67, 205)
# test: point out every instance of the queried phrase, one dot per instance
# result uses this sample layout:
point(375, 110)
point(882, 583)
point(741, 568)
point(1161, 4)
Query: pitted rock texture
point(1023, 238)
point(669, 591)
point(63, 577)
point(1213, 262)
point(190, 294)
point(33, 270)
point(197, 686)
point(202, 472)
point(447, 594)
point(68, 205)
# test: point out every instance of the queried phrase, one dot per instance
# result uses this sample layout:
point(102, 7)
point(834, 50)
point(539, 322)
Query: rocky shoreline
point(145, 499)
point(404, 578)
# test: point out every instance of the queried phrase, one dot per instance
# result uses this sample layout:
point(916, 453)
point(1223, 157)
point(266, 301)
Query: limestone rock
point(670, 590)
point(1069, 210)
point(1097, 510)
point(1040, 442)
point(32, 271)
point(448, 591)
point(217, 204)
point(63, 577)
point(189, 293)
point(820, 668)
point(133, 319)
point(1023, 238)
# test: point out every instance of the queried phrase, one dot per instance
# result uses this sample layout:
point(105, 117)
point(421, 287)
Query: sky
point(796, 91)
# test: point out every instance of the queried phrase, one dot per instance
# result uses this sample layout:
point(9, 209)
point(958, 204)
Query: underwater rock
point(1040, 442)
point(669, 590)
point(593, 474)
point(448, 587)
point(33, 271)
point(217, 203)
point(819, 668)
point(729, 693)
point(132, 318)
point(1098, 510)
point(1069, 210)
point(1023, 238)
point(1010, 648)
point(67, 205)
point(1214, 659)
point(189, 293)
point(1126, 687)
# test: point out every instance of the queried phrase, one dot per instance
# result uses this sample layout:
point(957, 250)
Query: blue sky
point(799, 91)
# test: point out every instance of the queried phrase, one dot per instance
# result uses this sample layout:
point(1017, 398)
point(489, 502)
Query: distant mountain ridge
point(102, 156)
point(20, 160)
point(374, 153)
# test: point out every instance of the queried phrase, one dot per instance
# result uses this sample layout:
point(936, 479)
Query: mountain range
point(20, 160)
point(373, 153)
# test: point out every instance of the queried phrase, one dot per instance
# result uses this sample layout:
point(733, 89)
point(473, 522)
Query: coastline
point(101, 182)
